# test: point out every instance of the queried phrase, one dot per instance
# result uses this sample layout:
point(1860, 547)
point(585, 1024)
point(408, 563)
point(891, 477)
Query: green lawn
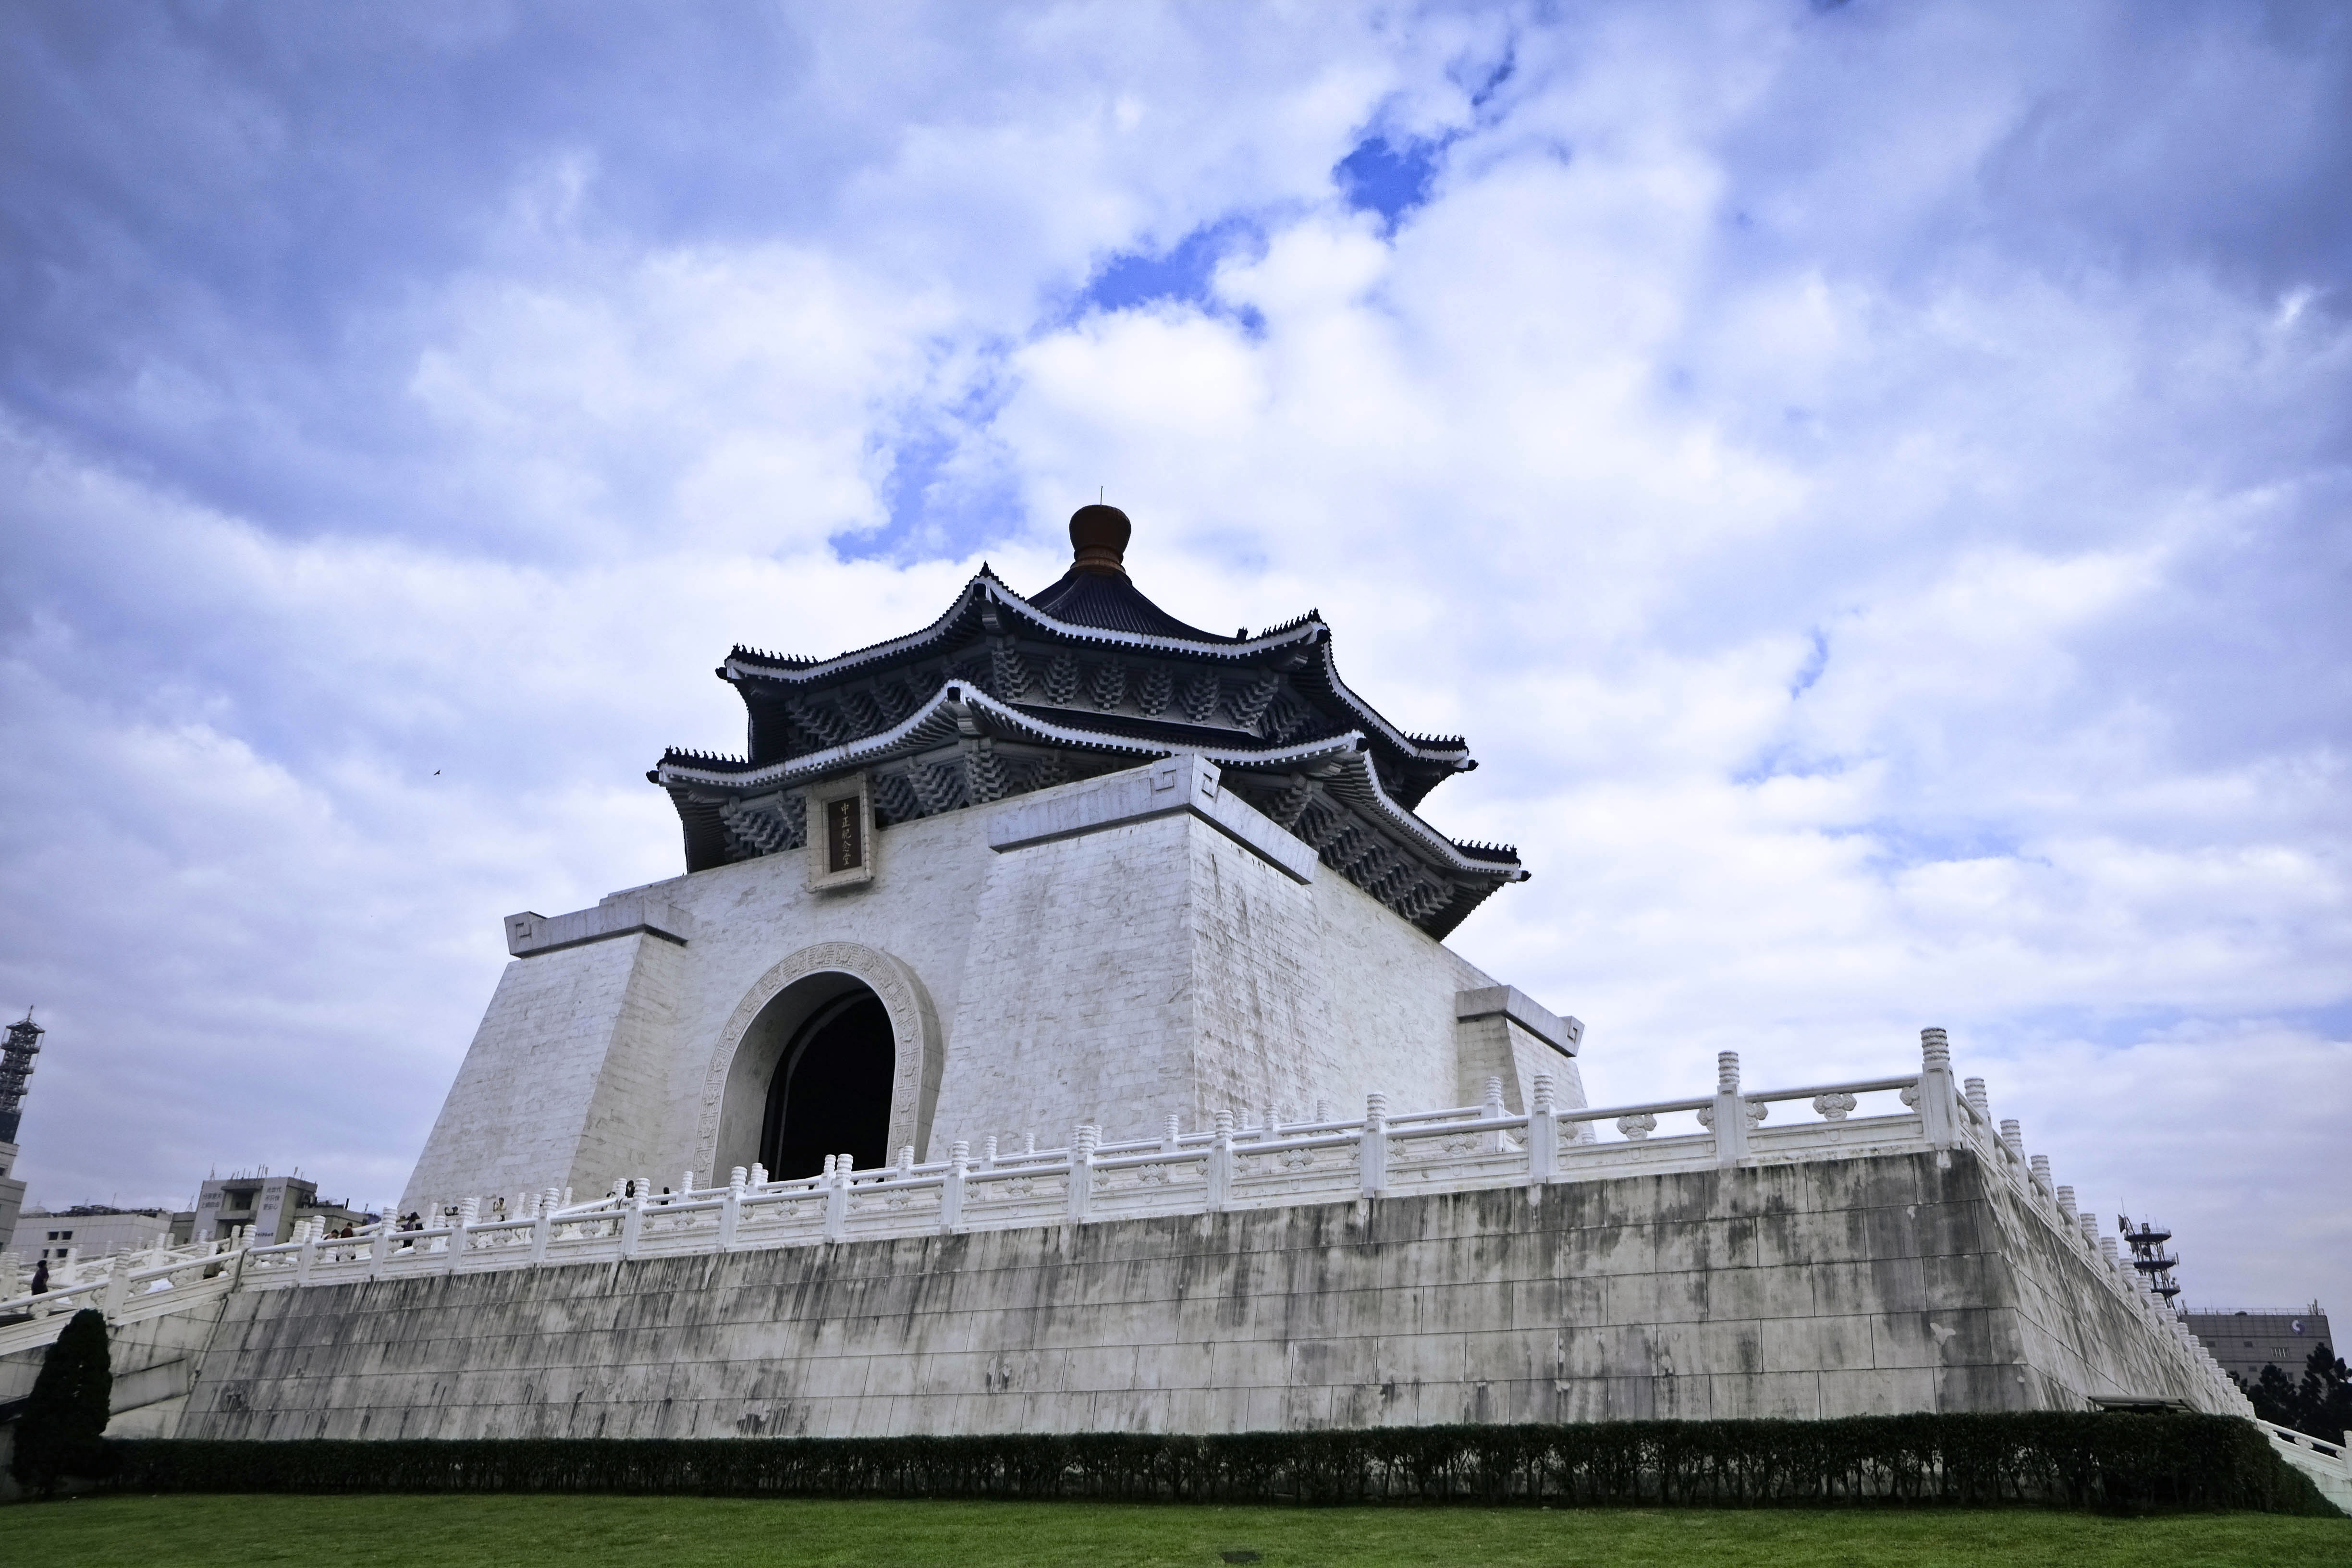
point(690, 1532)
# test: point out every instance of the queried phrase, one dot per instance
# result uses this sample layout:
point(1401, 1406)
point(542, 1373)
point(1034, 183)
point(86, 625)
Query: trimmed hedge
point(2104, 1461)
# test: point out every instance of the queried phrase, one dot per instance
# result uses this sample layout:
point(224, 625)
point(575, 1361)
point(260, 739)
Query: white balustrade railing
point(2329, 1465)
point(1207, 1170)
point(128, 1286)
point(2288, 1437)
point(1223, 1167)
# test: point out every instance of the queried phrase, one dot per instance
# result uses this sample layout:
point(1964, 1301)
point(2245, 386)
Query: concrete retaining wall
point(1822, 1288)
point(154, 1362)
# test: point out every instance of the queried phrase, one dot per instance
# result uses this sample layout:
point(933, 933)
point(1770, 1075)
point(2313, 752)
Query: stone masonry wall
point(1262, 1034)
point(1074, 1000)
point(1120, 976)
point(1880, 1284)
point(644, 1041)
point(525, 1093)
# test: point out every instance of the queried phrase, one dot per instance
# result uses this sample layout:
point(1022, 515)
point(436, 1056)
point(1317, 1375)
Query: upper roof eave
point(1450, 752)
point(1467, 859)
point(938, 720)
point(744, 662)
point(935, 721)
point(748, 663)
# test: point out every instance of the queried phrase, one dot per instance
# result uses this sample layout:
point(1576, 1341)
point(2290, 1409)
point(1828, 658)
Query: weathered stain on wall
point(1819, 1289)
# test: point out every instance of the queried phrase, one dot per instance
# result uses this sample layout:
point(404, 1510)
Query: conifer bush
point(62, 1430)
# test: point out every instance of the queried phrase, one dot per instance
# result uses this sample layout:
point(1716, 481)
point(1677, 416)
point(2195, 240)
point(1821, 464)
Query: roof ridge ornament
point(1098, 537)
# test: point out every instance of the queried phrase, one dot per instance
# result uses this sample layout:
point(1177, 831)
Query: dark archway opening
point(831, 1093)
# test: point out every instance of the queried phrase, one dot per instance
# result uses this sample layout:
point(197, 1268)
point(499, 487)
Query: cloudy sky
point(1870, 479)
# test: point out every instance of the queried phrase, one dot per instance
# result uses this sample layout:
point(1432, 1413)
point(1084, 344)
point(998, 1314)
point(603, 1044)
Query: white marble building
point(1043, 863)
point(1065, 868)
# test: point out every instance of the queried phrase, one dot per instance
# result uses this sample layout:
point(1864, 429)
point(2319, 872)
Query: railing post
point(1939, 1115)
point(1221, 1164)
point(836, 1198)
point(1081, 1170)
point(380, 1255)
point(951, 1186)
point(309, 1253)
point(730, 1212)
point(118, 1288)
point(633, 1221)
point(542, 1229)
point(1973, 1091)
point(458, 1224)
point(1730, 1111)
point(1490, 1109)
point(1372, 1145)
point(1543, 1133)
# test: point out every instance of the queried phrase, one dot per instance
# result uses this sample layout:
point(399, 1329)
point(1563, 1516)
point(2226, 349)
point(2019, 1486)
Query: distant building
point(2245, 1340)
point(89, 1230)
point(270, 1205)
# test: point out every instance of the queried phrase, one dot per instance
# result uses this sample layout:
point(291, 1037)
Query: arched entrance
point(775, 1031)
point(830, 1093)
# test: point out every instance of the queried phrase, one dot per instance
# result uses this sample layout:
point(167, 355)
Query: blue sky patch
point(944, 494)
point(1493, 80)
point(1181, 274)
point(1389, 178)
point(1901, 845)
point(1786, 762)
point(1810, 670)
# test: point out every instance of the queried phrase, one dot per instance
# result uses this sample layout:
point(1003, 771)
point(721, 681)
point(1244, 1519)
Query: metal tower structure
point(2147, 1243)
point(16, 1069)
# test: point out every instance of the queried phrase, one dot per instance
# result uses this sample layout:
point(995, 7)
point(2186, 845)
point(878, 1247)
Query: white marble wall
point(573, 1042)
point(1161, 956)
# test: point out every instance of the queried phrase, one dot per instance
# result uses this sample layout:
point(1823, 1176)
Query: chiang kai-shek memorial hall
point(1045, 862)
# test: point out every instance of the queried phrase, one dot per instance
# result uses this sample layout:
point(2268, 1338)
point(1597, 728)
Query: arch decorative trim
point(913, 1033)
